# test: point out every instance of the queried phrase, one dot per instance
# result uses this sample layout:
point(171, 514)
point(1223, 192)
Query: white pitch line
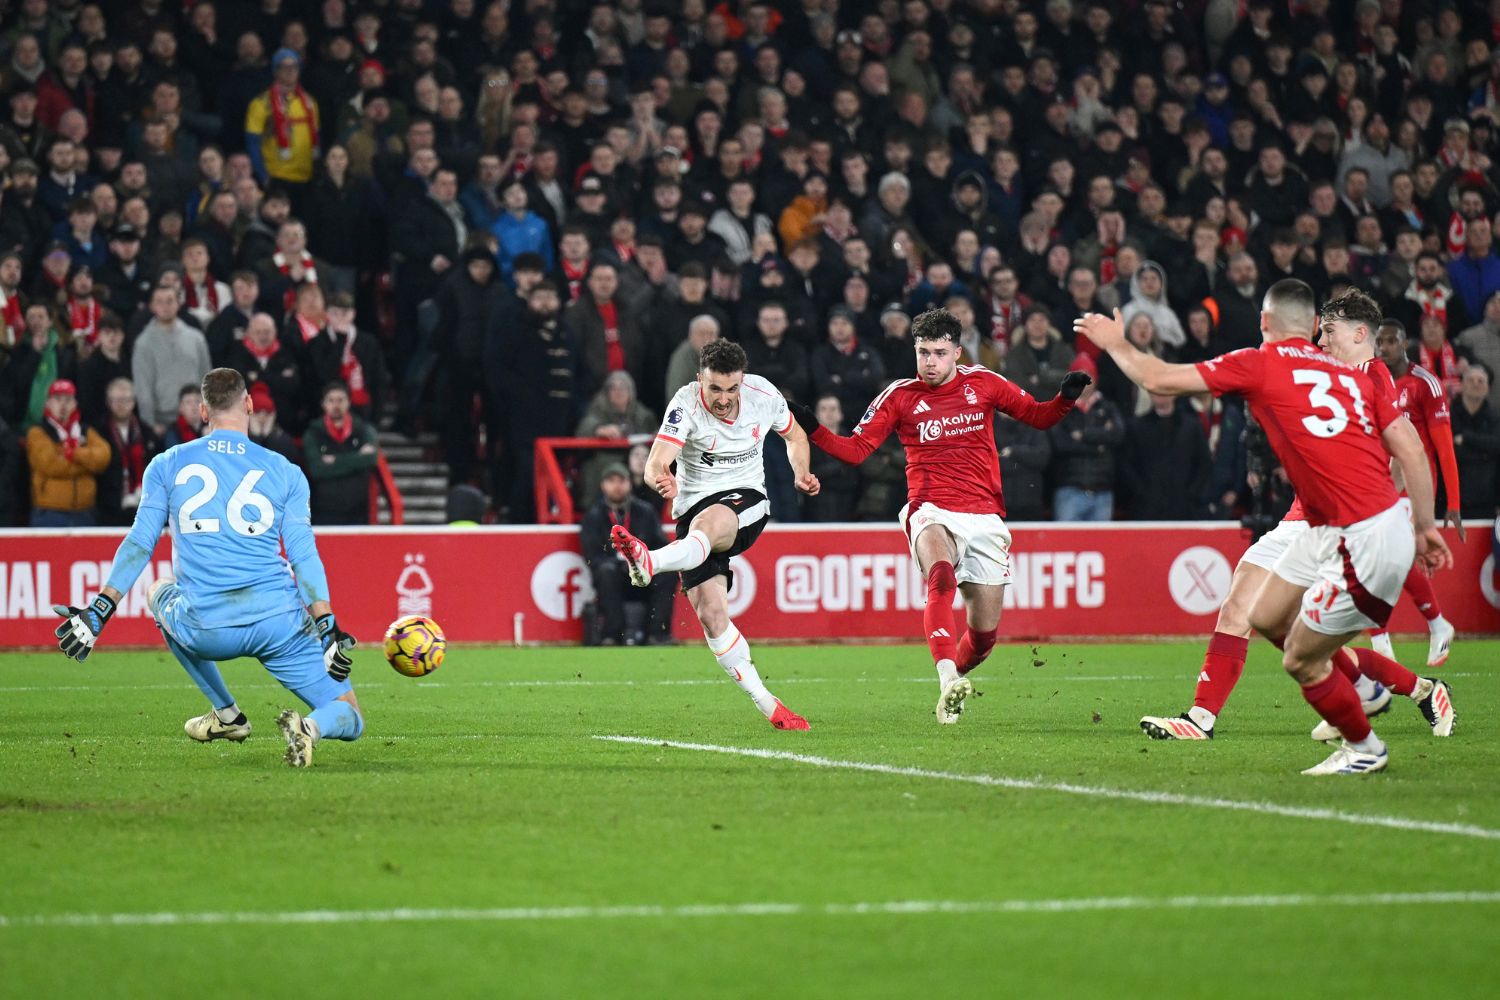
point(911, 907)
point(1038, 675)
point(1068, 788)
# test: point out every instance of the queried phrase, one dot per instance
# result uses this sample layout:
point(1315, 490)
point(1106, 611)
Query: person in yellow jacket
point(65, 457)
point(282, 126)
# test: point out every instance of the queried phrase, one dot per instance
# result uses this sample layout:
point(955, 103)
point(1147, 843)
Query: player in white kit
point(715, 429)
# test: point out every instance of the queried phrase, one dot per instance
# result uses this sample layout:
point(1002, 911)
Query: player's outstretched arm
point(1145, 370)
point(799, 455)
point(1402, 441)
point(851, 450)
point(81, 626)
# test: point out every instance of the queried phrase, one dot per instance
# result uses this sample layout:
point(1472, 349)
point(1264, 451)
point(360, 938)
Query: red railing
point(384, 482)
point(554, 498)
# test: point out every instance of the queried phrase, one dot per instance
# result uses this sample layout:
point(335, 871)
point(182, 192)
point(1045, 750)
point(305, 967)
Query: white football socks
point(1381, 643)
point(732, 650)
point(686, 553)
point(229, 714)
point(1364, 687)
point(1202, 717)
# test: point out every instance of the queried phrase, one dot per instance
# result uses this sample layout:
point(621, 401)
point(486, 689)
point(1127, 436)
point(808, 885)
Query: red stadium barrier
point(798, 583)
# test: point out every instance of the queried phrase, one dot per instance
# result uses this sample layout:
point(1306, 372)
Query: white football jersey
point(720, 455)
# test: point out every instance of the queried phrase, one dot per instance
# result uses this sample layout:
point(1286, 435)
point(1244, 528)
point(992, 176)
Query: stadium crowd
point(511, 220)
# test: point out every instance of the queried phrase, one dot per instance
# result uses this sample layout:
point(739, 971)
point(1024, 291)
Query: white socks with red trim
point(688, 552)
point(732, 650)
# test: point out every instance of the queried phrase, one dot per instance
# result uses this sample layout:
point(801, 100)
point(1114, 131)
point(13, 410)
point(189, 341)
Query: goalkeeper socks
point(1419, 585)
point(973, 648)
point(1222, 666)
point(229, 716)
point(732, 650)
point(205, 674)
point(337, 720)
point(1335, 699)
point(937, 617)
point(686, 553)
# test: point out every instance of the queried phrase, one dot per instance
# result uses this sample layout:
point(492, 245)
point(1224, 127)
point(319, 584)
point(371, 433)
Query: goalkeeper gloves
point(336, 646)
point(81, 627)
point(1073, 385)
point(804, 417)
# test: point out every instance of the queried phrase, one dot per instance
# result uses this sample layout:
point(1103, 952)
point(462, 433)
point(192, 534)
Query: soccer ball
point(415, 645)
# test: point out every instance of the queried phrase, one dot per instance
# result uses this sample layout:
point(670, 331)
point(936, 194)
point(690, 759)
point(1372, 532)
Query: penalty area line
point(908, 907)
point(1069, 788)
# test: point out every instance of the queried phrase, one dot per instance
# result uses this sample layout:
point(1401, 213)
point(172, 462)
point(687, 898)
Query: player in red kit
point(1421, 397)
point(1333, 433)
point(954, 515)
point(1375, 676)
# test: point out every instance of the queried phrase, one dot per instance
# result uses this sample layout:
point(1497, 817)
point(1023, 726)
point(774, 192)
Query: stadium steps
point(420, 474)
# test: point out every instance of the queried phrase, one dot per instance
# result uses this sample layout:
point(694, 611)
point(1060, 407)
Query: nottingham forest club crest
point(970, 396)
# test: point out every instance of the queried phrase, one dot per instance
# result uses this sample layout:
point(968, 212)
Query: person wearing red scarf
point(132, 445)
point(64, 458)
point(282, 125)
point(12, 316)
point(187, 427)
point(340, 453)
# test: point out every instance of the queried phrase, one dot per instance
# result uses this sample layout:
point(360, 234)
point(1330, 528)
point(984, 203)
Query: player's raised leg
point(223, 720)
point(686, 553)
point(709, 599)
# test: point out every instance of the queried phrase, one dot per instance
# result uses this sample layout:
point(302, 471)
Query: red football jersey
point(949, 435)
point(1323, 418)
point(1380, 377)
point(1421, 396)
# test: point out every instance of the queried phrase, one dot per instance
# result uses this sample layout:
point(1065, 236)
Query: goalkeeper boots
point(637, 557)
point(950, 703)
point(209, 727)
point(301, 737)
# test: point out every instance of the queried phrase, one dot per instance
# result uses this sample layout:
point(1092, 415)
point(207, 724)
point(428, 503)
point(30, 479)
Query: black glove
point(804, 417)
point(78, 633)
point(1073, 385)
point(336, 646)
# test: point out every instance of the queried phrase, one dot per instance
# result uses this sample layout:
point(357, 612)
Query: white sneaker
point(1377, 704)
point(1439, 642)
point(1180, 727)
point(1347, 760)
point(951, 702)
point(1437, 708)
point(299, 742)
point(209, 727)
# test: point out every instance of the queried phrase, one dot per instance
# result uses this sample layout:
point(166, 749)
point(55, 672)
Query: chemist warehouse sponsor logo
point(29, 589)
point(941, 427)
point(890, 582)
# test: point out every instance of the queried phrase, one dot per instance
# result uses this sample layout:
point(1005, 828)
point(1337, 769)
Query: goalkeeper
point(231, 506)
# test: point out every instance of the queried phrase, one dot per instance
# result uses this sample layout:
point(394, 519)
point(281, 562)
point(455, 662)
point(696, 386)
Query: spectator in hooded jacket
point(1148, 294)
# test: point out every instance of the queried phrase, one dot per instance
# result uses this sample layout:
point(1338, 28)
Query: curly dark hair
point(723, 356)
point(936, 324)
point(1355, 307)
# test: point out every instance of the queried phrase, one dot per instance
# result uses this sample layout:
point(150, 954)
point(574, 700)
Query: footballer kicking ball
point(415, 645)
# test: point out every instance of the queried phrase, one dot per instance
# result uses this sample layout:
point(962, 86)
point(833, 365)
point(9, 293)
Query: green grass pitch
point(134, 862)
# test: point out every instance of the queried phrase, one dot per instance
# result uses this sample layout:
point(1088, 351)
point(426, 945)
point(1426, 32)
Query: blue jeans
point(62, 519)
point(1070, 503)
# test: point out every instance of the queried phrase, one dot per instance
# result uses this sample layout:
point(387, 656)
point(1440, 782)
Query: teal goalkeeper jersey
point(231, 505)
